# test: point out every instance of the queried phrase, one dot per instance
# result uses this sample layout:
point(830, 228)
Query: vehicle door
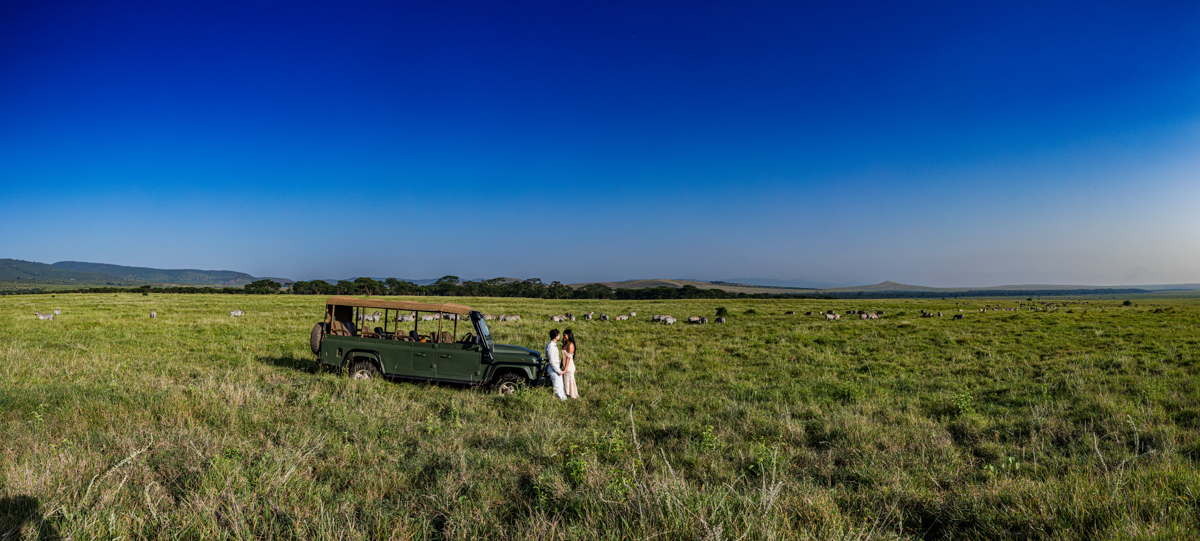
point(397, 356)
point(460, 360)
point(424, 359)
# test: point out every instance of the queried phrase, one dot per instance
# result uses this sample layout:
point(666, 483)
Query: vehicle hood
point(517, 350)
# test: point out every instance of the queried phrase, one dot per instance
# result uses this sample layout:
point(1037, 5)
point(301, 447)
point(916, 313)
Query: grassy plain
point(1081, 422)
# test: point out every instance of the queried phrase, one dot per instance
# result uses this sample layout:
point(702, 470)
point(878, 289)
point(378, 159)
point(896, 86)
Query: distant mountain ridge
point(798, 284)
point(79, 273)
point(163, 276)
point(17, 271)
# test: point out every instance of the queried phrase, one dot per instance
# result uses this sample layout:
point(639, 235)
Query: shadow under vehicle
point(417, 341)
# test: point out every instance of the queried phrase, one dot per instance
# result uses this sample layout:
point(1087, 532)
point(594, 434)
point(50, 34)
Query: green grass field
point(1078, 423)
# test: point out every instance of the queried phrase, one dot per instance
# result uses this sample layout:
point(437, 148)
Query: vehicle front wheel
point(364, 370)
point(508, 384)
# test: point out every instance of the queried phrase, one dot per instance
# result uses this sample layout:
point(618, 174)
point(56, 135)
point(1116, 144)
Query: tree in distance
point(262, 287)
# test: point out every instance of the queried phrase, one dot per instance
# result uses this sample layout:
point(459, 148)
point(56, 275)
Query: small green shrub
point(722, 312)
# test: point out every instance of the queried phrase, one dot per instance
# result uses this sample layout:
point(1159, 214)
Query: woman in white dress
point(569, 364)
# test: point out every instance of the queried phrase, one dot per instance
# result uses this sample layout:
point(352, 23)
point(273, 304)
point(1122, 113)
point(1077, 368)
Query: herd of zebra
point(153, 314)
point(658, 318)
point(412, 316)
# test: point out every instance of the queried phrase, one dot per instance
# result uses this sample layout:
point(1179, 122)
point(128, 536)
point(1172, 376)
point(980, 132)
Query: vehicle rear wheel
point(508, 384)
point(314, 339)
point(364, 370)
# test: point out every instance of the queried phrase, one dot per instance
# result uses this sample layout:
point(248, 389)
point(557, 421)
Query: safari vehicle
point(410, 340)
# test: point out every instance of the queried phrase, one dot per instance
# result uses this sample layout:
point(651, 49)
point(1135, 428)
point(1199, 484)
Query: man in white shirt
point(555, 368)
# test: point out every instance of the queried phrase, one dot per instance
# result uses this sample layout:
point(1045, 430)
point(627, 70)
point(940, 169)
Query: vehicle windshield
point(484, 332)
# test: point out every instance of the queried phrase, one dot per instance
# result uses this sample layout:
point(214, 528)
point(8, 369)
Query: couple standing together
point(562, 371)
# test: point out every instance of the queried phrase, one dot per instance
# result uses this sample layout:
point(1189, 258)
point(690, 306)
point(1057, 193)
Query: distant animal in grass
point(43, 316)
point(622, 317)
point(633, 314)
point(57, 312)
point(720, 320)
point(236, 313)
point(153, 314)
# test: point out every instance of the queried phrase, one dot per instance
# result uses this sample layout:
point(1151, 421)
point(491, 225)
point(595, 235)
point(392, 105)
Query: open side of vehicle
point(400, 339)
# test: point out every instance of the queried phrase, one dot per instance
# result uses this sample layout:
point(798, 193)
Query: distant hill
point(890, 286)
point(898, 287)
point(792, 284)
point(18, 271)
point(724, 286)
point(162, 276)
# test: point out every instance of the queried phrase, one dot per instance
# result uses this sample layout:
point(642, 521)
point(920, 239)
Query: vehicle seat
point(445, 337)
point(344, 328)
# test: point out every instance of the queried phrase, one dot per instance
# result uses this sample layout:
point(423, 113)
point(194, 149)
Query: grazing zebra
point(153, 314)
point(236, 313)
point(57, 312)
point(43, 316)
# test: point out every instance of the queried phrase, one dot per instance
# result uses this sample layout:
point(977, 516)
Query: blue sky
point(938, 144)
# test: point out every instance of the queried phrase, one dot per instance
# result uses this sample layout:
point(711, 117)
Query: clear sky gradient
point(941, 143)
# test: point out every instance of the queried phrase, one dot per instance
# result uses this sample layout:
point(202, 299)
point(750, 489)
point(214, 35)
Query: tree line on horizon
point(447, 286)
point(452, 286)
point(535, 288)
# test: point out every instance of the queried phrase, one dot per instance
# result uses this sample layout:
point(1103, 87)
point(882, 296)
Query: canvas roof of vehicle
point(400, 305)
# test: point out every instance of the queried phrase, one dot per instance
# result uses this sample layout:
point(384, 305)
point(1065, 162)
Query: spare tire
point(314, 340)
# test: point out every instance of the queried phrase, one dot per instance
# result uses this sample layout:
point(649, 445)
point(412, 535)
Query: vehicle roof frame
point(448, 308)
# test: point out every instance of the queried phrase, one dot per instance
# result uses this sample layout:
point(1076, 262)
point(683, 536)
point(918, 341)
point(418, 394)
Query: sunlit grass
point(1079, 423)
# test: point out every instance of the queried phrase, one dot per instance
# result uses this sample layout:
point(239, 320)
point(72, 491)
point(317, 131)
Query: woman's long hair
point(568, 338)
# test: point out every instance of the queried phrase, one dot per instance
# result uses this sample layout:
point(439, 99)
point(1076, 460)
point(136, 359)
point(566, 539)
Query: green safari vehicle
point(417, 341)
